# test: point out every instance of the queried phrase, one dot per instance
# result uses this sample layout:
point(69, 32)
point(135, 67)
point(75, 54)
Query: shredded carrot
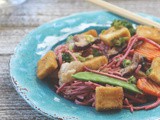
point(149, 87)
point(148, 50)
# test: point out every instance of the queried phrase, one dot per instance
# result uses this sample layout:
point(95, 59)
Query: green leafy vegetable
point(126, 62)
point(96, 53)
point(66, 57)
point(119, 42)
point(89, 76)
point(132, 80)
point(123, 23)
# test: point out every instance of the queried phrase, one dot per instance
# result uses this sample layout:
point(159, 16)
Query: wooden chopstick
point(125, 13)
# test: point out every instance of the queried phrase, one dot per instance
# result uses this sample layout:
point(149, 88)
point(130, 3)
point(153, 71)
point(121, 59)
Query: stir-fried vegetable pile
point(118, 68)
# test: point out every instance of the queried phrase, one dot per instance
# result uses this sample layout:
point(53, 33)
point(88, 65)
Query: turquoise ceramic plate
point(37, 93)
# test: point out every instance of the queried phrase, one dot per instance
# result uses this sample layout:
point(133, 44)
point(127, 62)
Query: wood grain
point(18, 21)
point(125, 13)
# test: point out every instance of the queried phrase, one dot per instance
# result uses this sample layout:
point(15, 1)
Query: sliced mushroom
point(115, 50)
point(135, 61)
point(82, 42)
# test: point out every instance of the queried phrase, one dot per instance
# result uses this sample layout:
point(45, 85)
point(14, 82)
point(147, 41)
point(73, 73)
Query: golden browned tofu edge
point(155, 70)
point(108, 98)
point(46, 65)
point(112, 33)
point(96, 62)
point(149, 32)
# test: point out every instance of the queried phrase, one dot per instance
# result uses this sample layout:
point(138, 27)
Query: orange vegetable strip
point(149, 41)
point(148, 50)
point(149, 87)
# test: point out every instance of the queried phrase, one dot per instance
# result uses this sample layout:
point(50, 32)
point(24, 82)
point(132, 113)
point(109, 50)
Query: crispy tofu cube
point(46, 65)
point(113, 33)
point(91, 32)
point(155, 70)
point(149, 32)
point(96, 62)
point(109, 98)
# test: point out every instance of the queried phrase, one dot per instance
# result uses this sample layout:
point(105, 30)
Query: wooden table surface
point(16, 23)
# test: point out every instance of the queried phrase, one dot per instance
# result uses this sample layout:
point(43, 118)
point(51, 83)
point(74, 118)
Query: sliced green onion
point(82, 59)
point(119, 42)
point(89, 38)
point(71, 46)
point(132, 80)
point(89, 57)
point(69, 38)
point(148, 71)
point(126, 62)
